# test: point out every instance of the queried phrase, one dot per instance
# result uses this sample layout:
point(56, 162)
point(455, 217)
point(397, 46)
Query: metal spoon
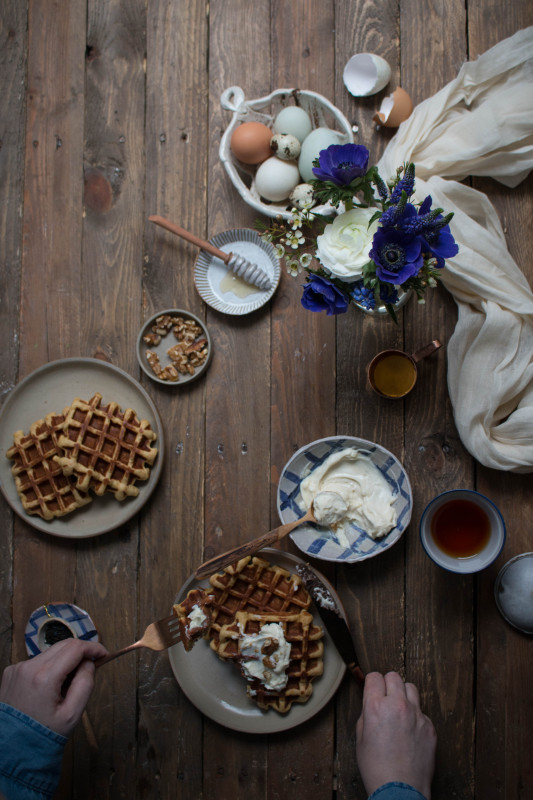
point(249, 272)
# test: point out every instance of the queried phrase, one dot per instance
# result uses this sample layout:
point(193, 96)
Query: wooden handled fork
point(157, 636)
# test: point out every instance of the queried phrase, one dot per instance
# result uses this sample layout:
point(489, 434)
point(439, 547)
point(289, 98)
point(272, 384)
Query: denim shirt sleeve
point(30, 756)
point(396, 791)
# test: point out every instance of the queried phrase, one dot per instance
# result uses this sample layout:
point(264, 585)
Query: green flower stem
point(348, 204)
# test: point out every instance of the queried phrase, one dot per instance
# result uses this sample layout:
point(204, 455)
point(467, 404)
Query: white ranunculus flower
point(344, 246)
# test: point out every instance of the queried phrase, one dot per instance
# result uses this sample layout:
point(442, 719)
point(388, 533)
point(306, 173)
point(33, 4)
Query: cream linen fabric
point(482, 124)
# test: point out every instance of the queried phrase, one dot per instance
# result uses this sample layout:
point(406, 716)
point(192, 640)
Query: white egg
point(275, 179)
point(293, 120)
point(319, 139)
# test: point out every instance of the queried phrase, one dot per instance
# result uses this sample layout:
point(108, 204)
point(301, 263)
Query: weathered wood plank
point(110, 315)
point(13, 59)
point(504, 724)
point(372, 591)
point(238, 394)
point(439, 612)
point(170, 729)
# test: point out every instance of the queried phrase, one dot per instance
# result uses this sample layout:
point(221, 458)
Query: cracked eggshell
point(395, 109)
point(285, 146)
point(366, 74)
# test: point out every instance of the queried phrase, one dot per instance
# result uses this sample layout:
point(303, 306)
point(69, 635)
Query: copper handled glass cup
point(393, 373)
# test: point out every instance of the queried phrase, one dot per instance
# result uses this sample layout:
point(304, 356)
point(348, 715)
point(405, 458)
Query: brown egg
point(250, 142)
point(395, 109)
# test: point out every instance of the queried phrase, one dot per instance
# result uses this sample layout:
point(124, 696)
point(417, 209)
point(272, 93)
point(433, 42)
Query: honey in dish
point(460, 528)
point(394, 375)
point(232, 283)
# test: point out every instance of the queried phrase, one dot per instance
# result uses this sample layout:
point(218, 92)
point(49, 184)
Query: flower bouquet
point(379, 245)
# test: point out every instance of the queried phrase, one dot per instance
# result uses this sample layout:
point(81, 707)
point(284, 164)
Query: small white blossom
point(305, 259)
point(279, 250)
point(295, 240)
point(293, 267)
point(267, 236)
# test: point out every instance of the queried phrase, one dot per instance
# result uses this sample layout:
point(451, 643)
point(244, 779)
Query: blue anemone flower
point(320, 294)
point(397, 256)
point(342, 163)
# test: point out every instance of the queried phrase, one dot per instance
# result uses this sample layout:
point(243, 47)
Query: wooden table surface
point(110, 112)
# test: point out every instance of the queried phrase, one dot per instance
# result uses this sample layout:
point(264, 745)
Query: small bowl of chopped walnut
point(174, 347)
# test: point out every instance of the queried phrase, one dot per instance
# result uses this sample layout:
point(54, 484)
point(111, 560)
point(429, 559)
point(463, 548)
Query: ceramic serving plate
point(219, 691)
point(50, 389)
point(320, 542)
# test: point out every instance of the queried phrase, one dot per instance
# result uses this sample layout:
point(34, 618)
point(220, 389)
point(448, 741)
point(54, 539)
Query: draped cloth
point(481, 124)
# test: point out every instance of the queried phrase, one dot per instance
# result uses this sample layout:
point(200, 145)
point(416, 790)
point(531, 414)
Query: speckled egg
point(285, 146)
point(302, 196)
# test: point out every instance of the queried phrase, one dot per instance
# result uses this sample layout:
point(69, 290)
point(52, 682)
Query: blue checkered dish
point(319, 542)
point(78, 620)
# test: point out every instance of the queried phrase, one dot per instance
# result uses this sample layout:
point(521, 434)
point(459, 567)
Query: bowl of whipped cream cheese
point(363, 498)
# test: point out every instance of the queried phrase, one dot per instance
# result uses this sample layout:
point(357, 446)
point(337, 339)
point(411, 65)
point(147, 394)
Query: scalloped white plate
point(210, 271)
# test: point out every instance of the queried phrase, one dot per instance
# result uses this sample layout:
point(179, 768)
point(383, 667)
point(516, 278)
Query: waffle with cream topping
point(194, 616)
point(279, 655)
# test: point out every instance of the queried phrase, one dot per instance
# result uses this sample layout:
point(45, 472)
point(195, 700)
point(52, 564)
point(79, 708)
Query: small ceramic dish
point(513, 592)
point(169, 341)
point(55, 621)
point(323, 114)
point(320, 542)
point(219, 287)
point(456, 556)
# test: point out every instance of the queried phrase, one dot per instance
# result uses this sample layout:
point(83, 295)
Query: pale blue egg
point(293, 120)
point(319, 139)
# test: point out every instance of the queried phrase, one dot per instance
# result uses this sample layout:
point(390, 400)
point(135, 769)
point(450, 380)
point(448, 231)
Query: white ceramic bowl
point(469, 564)
point(319, 542)
point(264, 109)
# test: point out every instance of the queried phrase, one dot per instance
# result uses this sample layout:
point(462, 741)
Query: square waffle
point(42, 487)
point(194, 616)
point(106, 449)
point(260, 663)
point(254, 585)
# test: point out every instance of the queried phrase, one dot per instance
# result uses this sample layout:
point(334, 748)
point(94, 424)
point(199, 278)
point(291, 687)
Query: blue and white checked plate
point(319, 542)
point(75, 619)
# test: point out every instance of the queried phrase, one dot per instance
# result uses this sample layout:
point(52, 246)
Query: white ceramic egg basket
point(323, 114)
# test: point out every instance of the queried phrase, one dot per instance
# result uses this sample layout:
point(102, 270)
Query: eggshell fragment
point(250, 142)
point(395, 109)
point(366, 74)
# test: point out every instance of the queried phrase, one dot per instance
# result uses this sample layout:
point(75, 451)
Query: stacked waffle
point(89, 446)
point(257, 610)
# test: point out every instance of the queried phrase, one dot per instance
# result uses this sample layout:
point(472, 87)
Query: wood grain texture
point(110, 112)
point(13, 61)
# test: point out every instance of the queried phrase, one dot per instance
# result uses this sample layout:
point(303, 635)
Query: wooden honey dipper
point(249, 272)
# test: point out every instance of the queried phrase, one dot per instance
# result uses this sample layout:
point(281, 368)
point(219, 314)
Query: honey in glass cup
point(393, 373)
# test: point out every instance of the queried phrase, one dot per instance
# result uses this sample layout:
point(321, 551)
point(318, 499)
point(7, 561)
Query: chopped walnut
point(152, 338)
point(186, 356)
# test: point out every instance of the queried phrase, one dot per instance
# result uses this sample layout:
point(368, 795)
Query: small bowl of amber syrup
point(462, 531)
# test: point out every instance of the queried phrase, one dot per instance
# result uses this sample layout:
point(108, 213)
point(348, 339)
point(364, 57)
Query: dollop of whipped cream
point(265, 656)
point(196, 617)
point(329, 508)
point(353, 476)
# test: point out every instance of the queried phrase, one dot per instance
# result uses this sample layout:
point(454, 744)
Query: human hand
point(395, 740)
point(35, 686)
